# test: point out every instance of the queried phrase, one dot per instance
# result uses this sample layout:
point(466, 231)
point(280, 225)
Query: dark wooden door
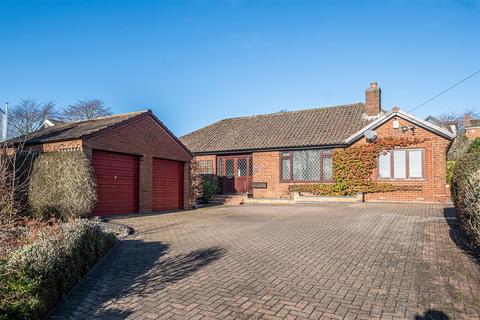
point(241, 176)
point(168, 184)
point(117, 182)
point(236, 175)
point(229, 178)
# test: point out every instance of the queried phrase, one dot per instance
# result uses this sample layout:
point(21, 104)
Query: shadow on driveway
point(135, 269)
point(458, 235)
point(431, 314)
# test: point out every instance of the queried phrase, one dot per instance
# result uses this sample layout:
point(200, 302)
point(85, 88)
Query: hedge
point(209, 186)
point(474, 147)
point(35, 277)
point(450, 167)
point(466, 194)
point(62, 185)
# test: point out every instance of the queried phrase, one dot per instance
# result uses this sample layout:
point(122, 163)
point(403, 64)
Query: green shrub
point(466, 194)
point(35, 277)
point(62, 185)
point(209, 187)
point(474, 146)
point(450, 167)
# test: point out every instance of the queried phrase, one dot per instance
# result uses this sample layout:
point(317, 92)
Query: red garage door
point(117, 182)
point(167, 185)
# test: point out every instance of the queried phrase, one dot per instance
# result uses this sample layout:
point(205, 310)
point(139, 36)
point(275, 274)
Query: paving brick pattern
point(332, 261)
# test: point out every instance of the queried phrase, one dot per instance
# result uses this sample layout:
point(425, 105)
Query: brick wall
point(212, 158)
point(434, 187)
point(143, 136)
point(472, 133)
point(266, 168)
point(71, 145)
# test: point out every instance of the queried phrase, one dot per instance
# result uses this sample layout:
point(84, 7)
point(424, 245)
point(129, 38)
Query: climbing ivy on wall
point(353, 167)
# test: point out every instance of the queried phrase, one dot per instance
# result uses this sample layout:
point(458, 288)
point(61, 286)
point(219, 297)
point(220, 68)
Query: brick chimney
point(373, 100)
point(467, 120)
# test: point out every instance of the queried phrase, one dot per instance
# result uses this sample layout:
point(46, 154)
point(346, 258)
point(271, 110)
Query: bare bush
point(196, 189)
point(62, 185)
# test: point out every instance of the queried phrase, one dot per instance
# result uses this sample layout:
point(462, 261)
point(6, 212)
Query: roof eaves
point(114, 125)
point(406, 116)
point(300, 147)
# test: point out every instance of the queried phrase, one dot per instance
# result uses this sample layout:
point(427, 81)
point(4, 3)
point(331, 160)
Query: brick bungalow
point(263, 155)
point(140, 166)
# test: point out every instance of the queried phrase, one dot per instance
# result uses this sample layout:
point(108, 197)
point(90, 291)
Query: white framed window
point(384, 165)
point(401, 164)
point(415, 164)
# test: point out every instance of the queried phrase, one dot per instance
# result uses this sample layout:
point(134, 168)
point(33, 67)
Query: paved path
point(343, 261)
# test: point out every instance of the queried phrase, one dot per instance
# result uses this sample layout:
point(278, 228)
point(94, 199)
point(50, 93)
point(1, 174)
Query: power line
point(449, 88)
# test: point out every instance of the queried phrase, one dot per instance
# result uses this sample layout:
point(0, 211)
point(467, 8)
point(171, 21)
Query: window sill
point(401, 179)
point(306, 181)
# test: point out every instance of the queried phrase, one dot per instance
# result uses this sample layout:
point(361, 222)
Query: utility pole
point(4, 114)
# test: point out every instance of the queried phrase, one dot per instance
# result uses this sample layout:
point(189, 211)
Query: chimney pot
point(373, 85)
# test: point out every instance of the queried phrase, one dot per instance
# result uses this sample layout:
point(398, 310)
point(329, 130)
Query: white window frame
point(407, 164)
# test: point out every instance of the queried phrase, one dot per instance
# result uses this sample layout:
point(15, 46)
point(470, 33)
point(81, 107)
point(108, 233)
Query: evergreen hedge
point(466, 194)
point(36, 276)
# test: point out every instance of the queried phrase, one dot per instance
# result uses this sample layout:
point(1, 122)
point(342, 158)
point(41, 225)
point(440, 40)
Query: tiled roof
point(304, 128)
point(76, 129)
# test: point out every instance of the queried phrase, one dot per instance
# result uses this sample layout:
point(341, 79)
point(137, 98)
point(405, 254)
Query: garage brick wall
point(143, 136)
point(71, 145)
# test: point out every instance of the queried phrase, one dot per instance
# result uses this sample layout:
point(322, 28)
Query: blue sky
point(195, 62)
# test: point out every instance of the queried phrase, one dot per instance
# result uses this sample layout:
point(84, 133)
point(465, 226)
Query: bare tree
point(458, 118)
point(85, 109)
point(15, 170)
point(28, 115)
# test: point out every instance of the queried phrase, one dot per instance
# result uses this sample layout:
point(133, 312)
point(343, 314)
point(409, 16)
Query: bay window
point(401, 164)
point(306, 165)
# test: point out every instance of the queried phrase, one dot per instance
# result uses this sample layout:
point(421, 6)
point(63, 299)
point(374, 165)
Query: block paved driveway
point(334, 261)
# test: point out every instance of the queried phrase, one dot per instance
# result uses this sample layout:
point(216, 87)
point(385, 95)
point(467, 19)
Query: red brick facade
point(71, 145)
point(142, 136)
point(472, 132)
point(433, 186)
point(211, 158)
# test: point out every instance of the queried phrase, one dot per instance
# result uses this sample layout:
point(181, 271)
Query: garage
point(123, 150)
point(117, 182)
point(168, 184)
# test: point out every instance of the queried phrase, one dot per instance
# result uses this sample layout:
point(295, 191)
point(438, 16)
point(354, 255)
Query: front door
point(236, 174)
